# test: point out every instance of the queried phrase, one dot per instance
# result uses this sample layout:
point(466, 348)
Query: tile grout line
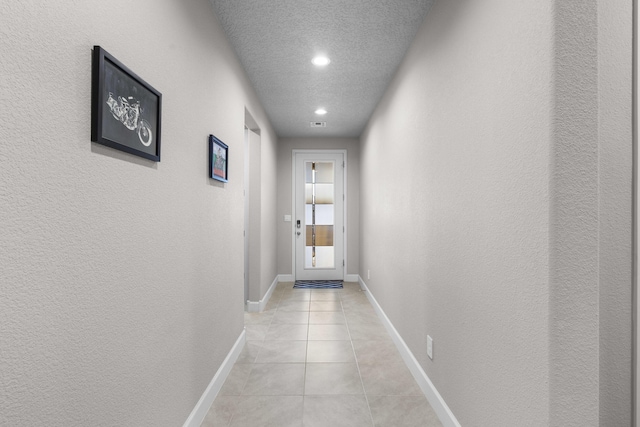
point(306, 355)
point(353, 348)
point(253, 363)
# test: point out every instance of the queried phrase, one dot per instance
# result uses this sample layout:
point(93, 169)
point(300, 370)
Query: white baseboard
point(267, 296)
point(258, 306)
point(204, 404)
point(435, 399)
point(286, 278)
point(351, 277)
point(253, 306)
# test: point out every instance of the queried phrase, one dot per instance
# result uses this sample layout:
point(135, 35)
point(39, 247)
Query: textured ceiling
point(276, 40)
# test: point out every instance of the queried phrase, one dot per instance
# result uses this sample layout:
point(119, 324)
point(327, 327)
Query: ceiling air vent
point(318, 124)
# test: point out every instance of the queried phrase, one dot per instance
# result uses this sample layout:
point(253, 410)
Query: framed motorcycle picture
point(125, 110)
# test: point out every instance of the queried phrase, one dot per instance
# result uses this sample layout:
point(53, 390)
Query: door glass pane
point(324, 172)
point(324, 256)
point(319, 214)
point(324, 215)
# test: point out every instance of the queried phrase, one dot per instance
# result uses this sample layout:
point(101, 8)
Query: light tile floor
point(319, 358)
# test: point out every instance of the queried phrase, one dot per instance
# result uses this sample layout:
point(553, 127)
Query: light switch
point(287, 218)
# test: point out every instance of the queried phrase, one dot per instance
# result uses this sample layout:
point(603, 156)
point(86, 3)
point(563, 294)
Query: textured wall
point(573, 251)
point(615, 154)
point(285, 146)
point(503, 226)
point(590, 280)
point(121, 279)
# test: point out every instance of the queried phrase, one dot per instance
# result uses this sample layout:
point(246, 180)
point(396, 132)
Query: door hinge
point(343, 228)
point(343, 164)
point(343, 263)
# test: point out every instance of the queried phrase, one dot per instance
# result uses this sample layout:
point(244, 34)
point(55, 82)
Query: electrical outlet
point(368, 274)
point(430, 347)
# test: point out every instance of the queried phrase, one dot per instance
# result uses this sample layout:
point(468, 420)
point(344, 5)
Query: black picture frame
point(126, 111)
point(218, 159)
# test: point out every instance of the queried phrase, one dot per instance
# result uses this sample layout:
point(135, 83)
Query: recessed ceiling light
point(320, 61)
point(321, 111)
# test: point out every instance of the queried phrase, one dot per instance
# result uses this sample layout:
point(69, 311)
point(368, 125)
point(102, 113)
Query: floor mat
point(318, 284)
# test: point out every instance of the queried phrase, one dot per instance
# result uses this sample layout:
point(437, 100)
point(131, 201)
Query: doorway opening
point(252, 211)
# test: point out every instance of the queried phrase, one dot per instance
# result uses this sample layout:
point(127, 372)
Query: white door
point(319, 215)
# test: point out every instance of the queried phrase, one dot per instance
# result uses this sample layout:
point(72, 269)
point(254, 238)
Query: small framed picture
point(218, 159)
point(125, 110)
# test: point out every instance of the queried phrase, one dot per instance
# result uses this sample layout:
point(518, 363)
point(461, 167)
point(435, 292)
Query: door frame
point(253, 208)
point(345, 222)
point(635, 206)
point(246, 215)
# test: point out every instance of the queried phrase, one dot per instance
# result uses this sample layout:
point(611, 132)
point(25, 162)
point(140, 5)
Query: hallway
point(491, 202)
point(319, 358)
